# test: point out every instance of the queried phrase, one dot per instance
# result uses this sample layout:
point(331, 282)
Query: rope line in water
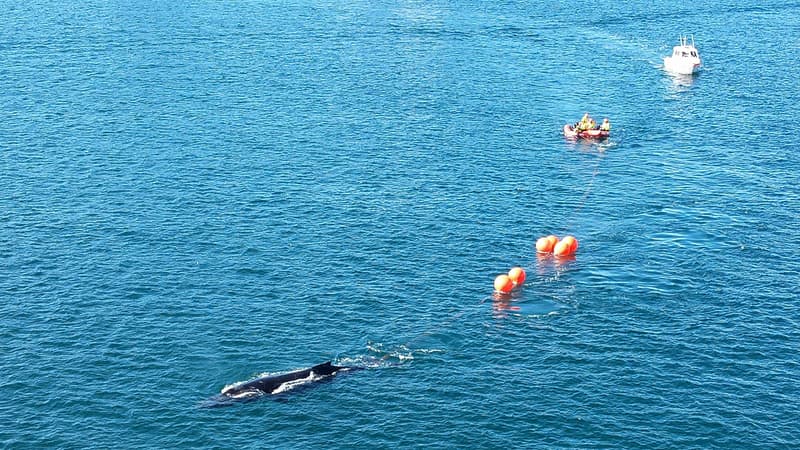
point(586, 193)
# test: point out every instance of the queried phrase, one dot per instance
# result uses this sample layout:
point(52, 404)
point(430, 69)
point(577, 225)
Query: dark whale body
point(271, 383)
point(275, 384)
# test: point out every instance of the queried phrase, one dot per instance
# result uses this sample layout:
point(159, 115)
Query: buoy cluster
point(505, 283)
point(551, 244)
point(567, 246)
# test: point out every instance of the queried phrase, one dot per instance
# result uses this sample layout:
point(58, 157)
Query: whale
point(273, 385)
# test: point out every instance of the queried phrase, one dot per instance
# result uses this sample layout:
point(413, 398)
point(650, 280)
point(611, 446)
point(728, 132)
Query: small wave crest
point(384, 356)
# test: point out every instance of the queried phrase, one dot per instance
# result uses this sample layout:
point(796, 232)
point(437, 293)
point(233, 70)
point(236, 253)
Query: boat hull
point(682, 67)
point(586, 134)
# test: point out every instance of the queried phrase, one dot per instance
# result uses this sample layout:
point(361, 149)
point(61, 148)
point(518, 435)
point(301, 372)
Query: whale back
point(272, 383)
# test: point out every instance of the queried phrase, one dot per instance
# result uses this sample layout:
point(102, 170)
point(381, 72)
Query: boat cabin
point(685, 50)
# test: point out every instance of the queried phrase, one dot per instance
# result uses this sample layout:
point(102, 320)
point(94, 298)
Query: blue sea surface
point(198, 193)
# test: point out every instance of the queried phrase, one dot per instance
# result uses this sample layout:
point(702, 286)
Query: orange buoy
point(544, 245)
point(503, 284)
point(566, 246)
point(562, 248)
point(573, 243)
point(517, 276)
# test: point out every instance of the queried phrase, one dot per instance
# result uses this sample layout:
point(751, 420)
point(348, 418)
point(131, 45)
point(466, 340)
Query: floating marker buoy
point(573, 243)
point(517, 276)
point(543, 245)
point(566, 246)
point(546, 244)
point(503, 284)
point(562, 248)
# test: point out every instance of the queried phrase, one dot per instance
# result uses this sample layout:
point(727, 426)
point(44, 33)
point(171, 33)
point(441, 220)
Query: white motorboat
point(685, 58)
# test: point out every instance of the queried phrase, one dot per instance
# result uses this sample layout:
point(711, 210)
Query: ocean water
point(196, 194)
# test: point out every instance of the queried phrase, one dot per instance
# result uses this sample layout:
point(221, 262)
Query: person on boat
point(584, 123)
point(606, 126)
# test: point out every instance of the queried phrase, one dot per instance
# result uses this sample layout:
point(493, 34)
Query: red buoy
point(546, 244)
point(517, 276)
point(566, 246)
point(543, 245)
point(503, 284)
point(562, 248)
point(573, 243)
